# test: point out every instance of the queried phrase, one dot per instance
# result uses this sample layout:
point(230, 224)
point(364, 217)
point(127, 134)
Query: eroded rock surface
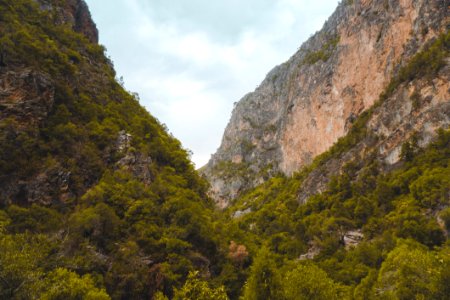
point(417, 108)
point(135, 162)
point(26, 96)
point(77, 14)
point(304, 105)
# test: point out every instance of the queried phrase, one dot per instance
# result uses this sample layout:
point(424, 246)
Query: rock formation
point(26, 96)
point(75, 13)
point(307, 103)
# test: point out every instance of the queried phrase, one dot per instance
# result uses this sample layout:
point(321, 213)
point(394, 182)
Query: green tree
point(432, 188)
point(34, 219)
point(62, 284)
point(364, 290)
point(21, 262)
point(264, 281)
point(308, 281)
point(409, 149)
point(128, 276)
point(197, 289)
point(98, 224)
point(443, 286)
point(445, 216)
point(409, 272)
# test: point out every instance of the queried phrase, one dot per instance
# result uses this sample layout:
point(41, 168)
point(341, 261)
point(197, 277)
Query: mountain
point(306, 104)
point(97, 199)
point(333, 178)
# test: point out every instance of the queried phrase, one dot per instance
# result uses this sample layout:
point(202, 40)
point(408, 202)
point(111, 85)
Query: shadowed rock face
point(304, 105)
point(76, 13)
point(83, 21)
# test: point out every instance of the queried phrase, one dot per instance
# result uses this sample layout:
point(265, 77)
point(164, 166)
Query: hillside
point(95, 194)
point(99, 201)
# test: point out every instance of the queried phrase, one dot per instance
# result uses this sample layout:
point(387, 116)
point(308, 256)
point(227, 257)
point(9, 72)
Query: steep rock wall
point(416, 110)
point(304, 105)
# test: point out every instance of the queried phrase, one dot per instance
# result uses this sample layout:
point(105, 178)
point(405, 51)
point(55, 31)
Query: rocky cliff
point(306, 104)
point(411, 116)
point(75, 13)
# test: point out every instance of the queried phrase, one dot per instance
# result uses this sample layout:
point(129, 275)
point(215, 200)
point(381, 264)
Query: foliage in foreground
point(404, 253)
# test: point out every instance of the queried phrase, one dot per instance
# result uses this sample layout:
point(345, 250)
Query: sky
point(190, 60)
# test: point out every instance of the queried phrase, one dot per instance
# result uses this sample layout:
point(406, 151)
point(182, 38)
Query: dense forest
point(126, 216)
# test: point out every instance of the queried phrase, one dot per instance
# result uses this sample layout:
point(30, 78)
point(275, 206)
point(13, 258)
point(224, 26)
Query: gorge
point(332, 180)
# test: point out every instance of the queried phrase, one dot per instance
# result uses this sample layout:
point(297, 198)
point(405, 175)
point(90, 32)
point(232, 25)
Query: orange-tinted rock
point(306, 104)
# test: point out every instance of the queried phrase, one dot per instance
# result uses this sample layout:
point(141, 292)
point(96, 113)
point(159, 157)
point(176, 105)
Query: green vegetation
point(395, 212)
point(307, 281)
point(230, 169)
point(411, 271)
point(196, 289)
point(391, 210)
point(264, 281)
point(114, 236)
point(322, 54)
point(90, 106)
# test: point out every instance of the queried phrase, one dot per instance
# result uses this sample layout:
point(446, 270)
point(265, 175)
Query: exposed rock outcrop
point(50, 186)
point(304, 105)
point(352, 238)
point(77, 14)
point(26, 96)
point(313, 251)
point(135, 162)
point(417, 109)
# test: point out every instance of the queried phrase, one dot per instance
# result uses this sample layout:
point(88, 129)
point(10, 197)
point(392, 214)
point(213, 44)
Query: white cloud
point(190, 60)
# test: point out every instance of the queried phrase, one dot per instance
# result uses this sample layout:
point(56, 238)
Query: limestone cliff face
point(416, 109)
point(304, 105)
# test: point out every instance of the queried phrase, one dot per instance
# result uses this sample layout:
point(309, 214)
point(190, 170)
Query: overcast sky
point(190, 60)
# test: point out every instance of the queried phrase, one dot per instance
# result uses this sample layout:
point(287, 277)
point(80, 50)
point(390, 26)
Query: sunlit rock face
point(306, 104)
point(417, 108)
